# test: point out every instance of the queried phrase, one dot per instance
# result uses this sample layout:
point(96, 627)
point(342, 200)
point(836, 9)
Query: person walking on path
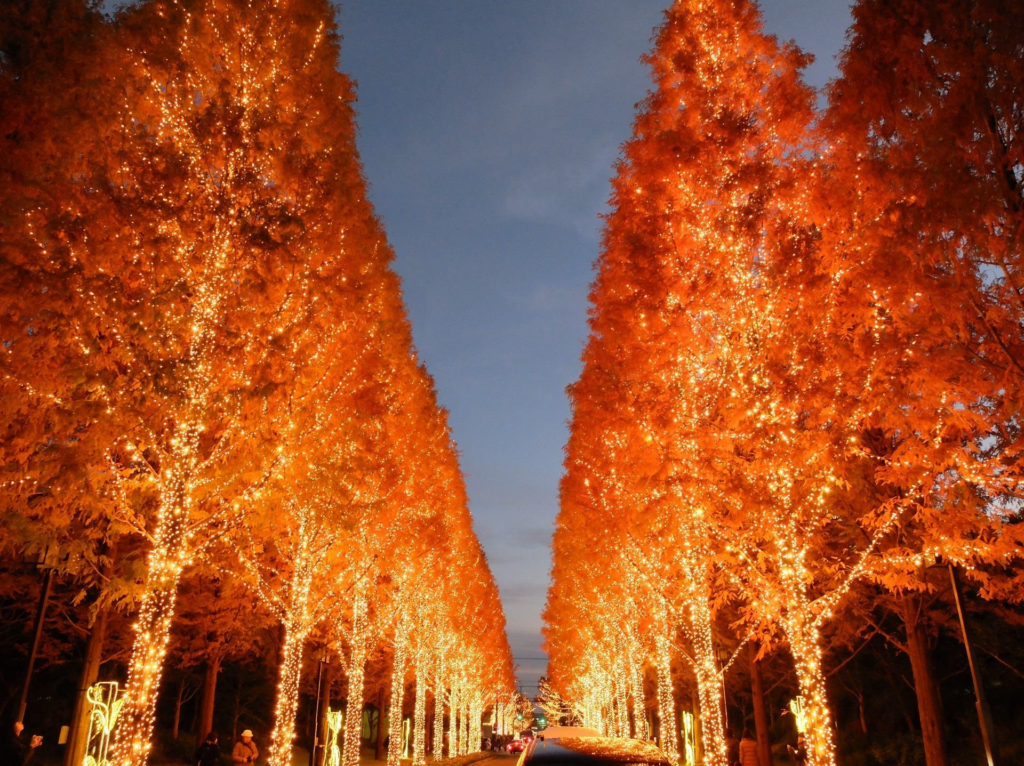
point(15, 751)
point(245, 749)
point(748, 750)
point(208, 753)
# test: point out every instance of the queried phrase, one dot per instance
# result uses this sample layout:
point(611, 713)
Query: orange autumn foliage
point(206, 346)
point(786, 389)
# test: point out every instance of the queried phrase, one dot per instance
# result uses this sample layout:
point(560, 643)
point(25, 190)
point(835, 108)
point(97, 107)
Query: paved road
point(498, 759)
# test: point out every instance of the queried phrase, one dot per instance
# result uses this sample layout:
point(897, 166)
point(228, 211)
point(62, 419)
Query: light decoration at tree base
point(296, 630)
point(419, 755)
point(464, 732)
point(796, 707)
point(132, 740)
point(105, 703)
point(395, 720)
point(335, 721)
point(475, 733)
point(666, 700)
point(621, 710)
point(356, 674)
point(813, 716)
point(689, 740)
point(437, 746)
point(454, 724)
point(709, 681)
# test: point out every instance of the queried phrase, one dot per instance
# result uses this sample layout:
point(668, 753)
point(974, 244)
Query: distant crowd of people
point(244, 751)
point(17, 749)
point(497, 743)
point(744, 751)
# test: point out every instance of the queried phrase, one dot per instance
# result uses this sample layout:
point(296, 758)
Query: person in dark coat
point(732, 748)
point(208, 753)
point(799, 753)
point(15, 750)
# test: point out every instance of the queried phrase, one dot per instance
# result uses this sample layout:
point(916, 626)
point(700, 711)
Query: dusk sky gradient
point(488, 131)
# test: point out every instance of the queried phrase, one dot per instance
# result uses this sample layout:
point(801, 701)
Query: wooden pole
point(44, 598)
point(984, 714)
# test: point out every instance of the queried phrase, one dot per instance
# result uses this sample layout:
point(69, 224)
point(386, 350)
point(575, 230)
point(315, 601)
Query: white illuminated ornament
point(689, 740)
point(796, 706)
point(105, 703)
point(335, 719)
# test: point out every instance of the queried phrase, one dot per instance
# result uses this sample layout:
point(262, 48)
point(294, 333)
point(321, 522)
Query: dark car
point(516, 746)
point(593, 751)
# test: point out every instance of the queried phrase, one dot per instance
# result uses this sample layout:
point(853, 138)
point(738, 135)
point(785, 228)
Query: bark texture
point(929, 703)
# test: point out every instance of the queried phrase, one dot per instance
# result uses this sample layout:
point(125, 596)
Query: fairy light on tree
point(676, 383)
point(419, 745)
point(356, 669)
point(211, 339)
point(398, 669)
point(227, 317)
point(210, 444)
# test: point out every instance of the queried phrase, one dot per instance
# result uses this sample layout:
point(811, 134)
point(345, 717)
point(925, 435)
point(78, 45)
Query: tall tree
point(705, 205)
point(922, 213)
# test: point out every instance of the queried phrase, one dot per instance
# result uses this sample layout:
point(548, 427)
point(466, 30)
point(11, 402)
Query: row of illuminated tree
point(208, 367)
point(804, 371)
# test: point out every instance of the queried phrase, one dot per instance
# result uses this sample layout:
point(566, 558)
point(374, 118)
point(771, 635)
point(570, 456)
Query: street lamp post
point(37, 635)
point(316, 718)
point(723, 657)
point(984, 714)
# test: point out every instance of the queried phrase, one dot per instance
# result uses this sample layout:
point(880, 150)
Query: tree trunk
point(622, 708)
point(419, 741)
point(78, 737)
point(238, 709)
point(138, 712)
point(666, 699)
point(698, 727)
point(397, 694)
point(296, 630)
point(806, 649)
point(194, 726)
point(437, 746)
point(454, 728)
point(287, 698)
point(639, 700)
point(863, 715)
point(134, 731)
point(799, 626)
point(206, 703)
point(764, 745)
point(325, 708)
point(356, 669)
point(929, 703)
point(176, 727)
point(709, 682)
point(476, 716)
point(378, 751)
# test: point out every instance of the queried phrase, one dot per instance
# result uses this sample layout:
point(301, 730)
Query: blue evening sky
point(488, 130)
